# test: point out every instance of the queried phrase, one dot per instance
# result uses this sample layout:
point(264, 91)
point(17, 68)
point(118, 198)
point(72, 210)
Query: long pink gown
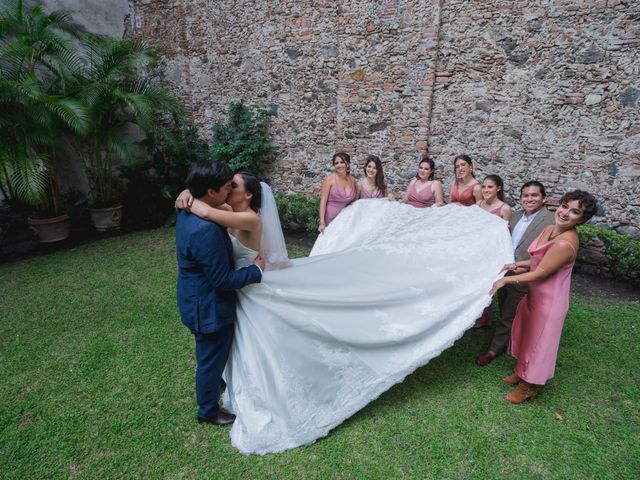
point(485, 318)
point(535, 335)
point(464, 197)
point(337, 200)
point(422, 199)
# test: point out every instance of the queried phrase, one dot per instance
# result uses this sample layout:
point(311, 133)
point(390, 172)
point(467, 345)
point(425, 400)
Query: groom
point(206, 286)
point(525, 226)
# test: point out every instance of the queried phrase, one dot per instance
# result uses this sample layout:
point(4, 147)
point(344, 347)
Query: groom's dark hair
point(205, 174)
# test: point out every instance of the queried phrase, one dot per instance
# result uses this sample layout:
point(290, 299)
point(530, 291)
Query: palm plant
point(38, 62)
point(118, 97)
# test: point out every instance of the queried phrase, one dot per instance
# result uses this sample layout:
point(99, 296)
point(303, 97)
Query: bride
point(386, 288)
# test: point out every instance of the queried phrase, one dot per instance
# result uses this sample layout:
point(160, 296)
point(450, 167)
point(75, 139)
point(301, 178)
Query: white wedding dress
point(387, 288)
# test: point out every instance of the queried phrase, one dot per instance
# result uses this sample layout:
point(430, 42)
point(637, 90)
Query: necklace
point(551, 237)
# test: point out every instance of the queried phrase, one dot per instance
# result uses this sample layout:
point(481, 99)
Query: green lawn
point(96, 381)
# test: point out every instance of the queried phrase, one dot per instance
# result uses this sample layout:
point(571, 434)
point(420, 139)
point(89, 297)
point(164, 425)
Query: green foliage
point(37, 111)
point(54, 92)
point(298, 212)
point(624, 250)
point(154, 183)
point(118, 97)
point(243, 142)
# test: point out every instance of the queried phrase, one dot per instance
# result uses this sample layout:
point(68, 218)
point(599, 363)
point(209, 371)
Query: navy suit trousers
point(212, 352)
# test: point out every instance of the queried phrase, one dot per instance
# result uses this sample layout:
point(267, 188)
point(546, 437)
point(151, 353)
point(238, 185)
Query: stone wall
point(104, 17)
point(546, 89)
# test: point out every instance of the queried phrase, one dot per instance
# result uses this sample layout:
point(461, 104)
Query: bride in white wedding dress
point(387, 288)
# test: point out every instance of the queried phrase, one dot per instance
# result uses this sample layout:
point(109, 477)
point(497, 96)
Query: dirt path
point(597, 287)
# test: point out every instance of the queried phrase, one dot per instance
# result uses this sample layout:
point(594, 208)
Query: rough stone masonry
point(547, 90)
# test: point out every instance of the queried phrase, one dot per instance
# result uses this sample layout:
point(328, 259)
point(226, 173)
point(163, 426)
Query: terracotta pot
point(105, 219)
point(51, 229)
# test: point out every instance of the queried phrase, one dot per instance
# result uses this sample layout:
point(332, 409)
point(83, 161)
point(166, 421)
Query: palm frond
point(29, 178)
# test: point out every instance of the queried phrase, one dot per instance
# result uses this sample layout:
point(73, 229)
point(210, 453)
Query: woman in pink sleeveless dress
point(492, 202)
point(338, 190)
point(373, 184)
point(424, 191)
point(466, 189)
point(535, 336)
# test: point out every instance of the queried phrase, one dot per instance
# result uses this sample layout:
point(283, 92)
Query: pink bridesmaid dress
point(487, 313)
point(422, 199)
point(535, 335)
point(364, 193)
point(337, 200)
point(465, 197)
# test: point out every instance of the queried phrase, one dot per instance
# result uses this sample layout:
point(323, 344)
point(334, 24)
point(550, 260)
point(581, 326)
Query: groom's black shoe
point(220, 418)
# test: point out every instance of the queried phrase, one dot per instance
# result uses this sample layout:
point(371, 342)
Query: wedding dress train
point(387, 288)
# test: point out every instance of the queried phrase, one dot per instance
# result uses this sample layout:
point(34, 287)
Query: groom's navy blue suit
point(206, 294)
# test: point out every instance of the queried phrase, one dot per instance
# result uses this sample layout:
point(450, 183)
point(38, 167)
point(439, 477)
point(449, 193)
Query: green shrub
point(154, 183)
point(298, 212)
point(243, 142)
point(624, 250)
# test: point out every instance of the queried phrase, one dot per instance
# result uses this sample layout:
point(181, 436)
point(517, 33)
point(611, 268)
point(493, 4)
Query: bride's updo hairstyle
point(252, 185)
point(344, 156)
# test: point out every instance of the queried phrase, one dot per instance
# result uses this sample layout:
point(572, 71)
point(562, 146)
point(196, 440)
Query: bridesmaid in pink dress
point(492, 202)
point(338, 190)
point(373, 184)
point(465, 189)
point(535, 336)
point(424, 191)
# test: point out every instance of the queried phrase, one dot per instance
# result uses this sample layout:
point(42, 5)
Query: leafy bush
point(624, 250)
point(155, 183)
point(243, 142)
point(298, 212)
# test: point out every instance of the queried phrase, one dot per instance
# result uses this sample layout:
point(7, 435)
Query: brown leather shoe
point(524, 391)
point(486, 358)
point(220, 418)
point(512, 379)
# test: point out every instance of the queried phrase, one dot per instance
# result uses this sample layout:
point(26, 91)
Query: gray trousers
point(509, 297)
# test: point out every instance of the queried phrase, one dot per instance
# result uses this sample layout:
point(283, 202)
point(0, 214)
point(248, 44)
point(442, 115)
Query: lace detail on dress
point(388, 288)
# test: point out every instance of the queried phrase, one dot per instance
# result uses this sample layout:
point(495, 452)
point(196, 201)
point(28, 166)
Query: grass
point(96, 381)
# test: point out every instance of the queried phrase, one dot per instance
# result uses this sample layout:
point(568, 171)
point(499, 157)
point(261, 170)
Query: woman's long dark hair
point(467, 159)
point(344, 156)
point(431, 163)
point(252, 185)
point(380, 183)
point(499, 183)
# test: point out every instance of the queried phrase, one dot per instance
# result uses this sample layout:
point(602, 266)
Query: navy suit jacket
point(207, 280)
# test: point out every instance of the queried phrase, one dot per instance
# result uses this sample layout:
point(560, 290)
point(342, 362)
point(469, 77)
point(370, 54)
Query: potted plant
point(37, 64)
point(122, 104)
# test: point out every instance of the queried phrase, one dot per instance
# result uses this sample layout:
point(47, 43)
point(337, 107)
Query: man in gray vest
point(525, 226)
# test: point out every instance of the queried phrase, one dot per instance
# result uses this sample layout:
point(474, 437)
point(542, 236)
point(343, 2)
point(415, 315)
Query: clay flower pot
point(51, 230)
point(105, 219)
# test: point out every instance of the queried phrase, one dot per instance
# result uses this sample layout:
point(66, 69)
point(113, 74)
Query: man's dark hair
point(205, 174)
point(534, 183)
